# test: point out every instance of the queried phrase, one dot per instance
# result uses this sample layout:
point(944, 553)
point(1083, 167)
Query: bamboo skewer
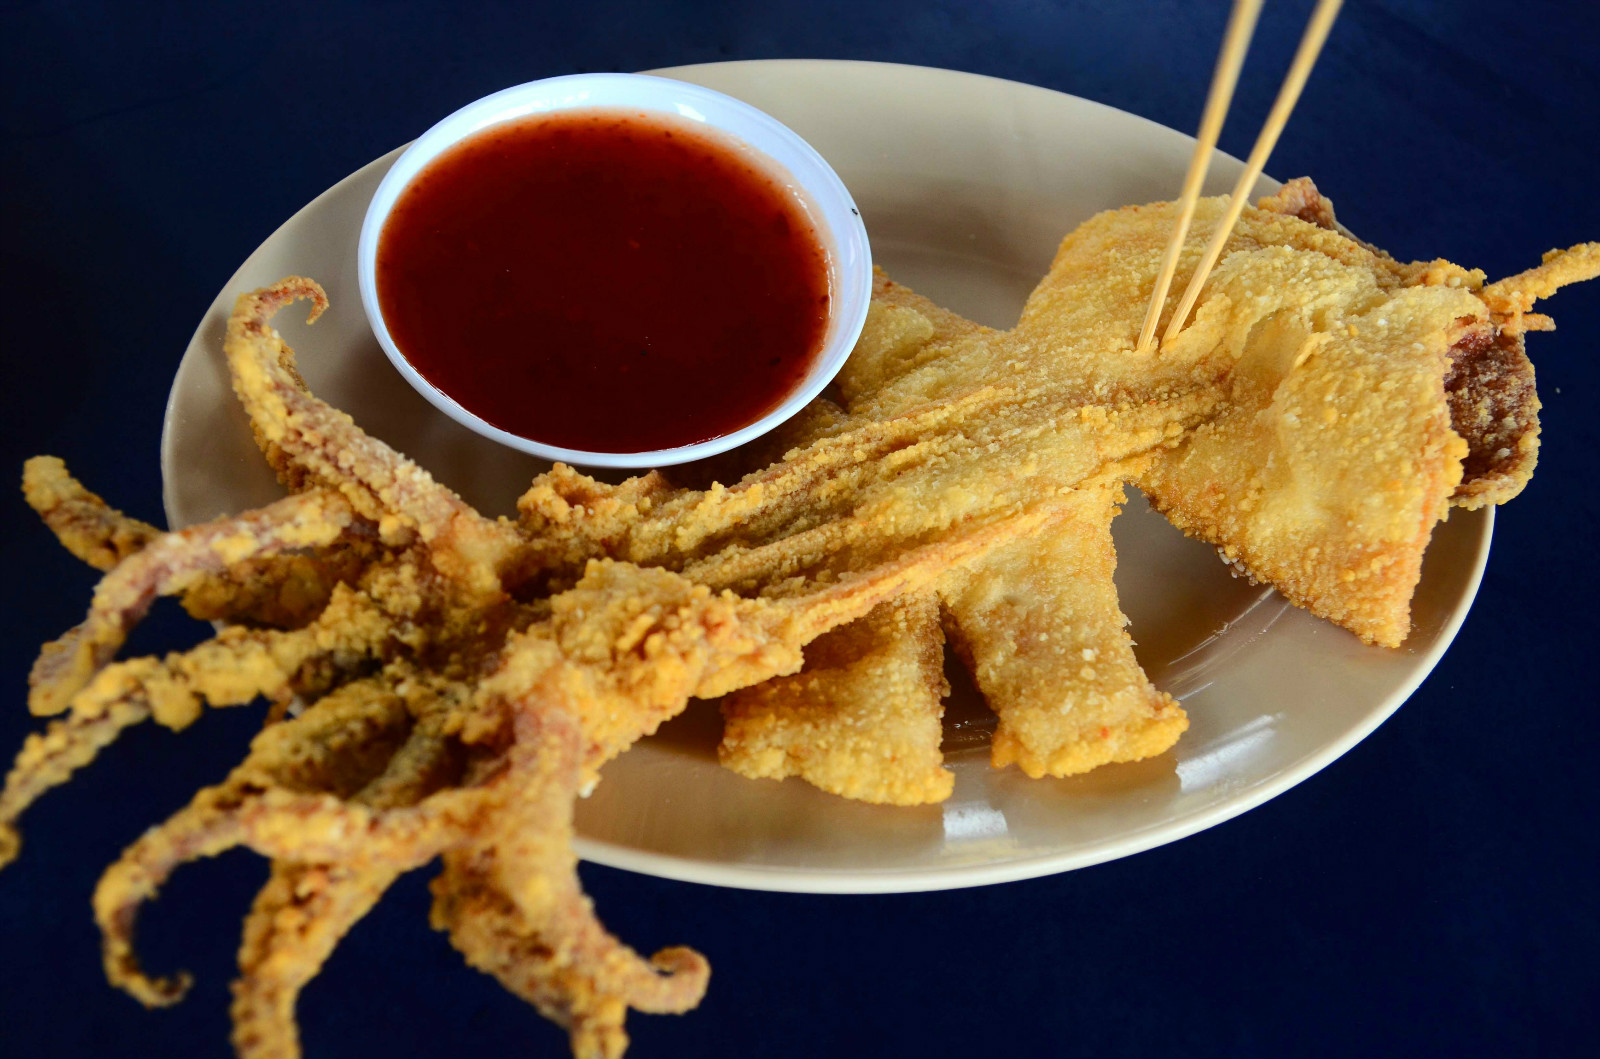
point(1235, 43)
point(1305, 57)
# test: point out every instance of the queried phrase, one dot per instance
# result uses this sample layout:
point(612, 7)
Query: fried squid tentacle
point(1510, 299)
point(297, 920)
point(305, 909)
point(513, 906)
point(625, 649)
point(233, 669)
point(292, 799)
point(168, 565)
point(535, 850)
point(280, 824)
point(49, 758)
point(284, 591)
point(327, 445)
point(86, 525)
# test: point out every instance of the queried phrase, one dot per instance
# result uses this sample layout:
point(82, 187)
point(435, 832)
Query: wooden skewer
point(1310, 47)
point(1235, 42)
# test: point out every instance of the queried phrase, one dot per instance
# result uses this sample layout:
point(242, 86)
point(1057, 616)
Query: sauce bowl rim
point(822, 194)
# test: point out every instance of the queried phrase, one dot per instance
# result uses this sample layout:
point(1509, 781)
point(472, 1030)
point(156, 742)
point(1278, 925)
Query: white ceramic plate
point(967, 184)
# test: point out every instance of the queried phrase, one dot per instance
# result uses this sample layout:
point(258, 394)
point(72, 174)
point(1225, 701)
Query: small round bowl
point(786, 156)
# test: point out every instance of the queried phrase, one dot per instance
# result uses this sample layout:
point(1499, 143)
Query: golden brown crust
point(861, 719)
point(1047, 643)
point(86, 525)
point(1300, 198)
point(1510, 299)
point(524, 655)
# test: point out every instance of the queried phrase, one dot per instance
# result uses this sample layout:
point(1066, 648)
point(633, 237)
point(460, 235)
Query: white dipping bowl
point(785, 156)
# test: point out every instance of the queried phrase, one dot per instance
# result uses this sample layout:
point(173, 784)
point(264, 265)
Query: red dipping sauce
point(604, 280)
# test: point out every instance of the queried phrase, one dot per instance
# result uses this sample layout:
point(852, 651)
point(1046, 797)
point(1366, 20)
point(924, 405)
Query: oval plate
point(967, 184)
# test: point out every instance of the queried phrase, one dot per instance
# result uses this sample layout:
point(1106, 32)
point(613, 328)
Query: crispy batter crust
point(861, 720)
point(1047, 643)
point(466, 677)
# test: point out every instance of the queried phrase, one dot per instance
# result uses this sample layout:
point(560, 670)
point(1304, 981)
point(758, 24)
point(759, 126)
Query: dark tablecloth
point(1432, 892)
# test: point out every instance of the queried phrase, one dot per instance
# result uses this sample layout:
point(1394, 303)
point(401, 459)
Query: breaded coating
point(1490, 385)
point(464, 678)
point(1037, 622)
point(1335, 456)
point(86, 525)
point(903, 331)
point(1511, 298)
point(861, 719)
point(1039, 625)
point(297, 920)
point(283, 591)
point(1334, 451)
point(169, 565)
point(1441, 451)
point(306, 909)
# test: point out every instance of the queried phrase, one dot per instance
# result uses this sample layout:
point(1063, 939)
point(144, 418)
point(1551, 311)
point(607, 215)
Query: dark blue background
point(1432, 892)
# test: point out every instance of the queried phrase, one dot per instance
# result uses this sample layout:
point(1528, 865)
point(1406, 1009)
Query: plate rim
point(833, 880)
